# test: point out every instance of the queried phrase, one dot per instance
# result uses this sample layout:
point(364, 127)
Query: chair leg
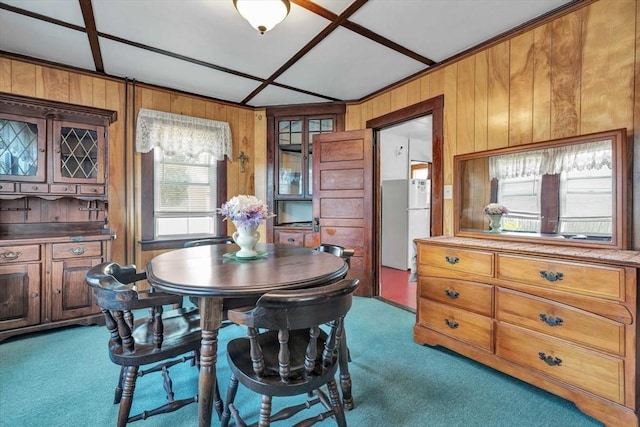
point(265, 411)
point(336, 405)
point(130, 376)
point(118, 393)
point(345, 376)
point(228, 402)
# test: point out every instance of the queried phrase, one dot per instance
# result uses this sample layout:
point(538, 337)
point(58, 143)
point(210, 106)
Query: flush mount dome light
point(263, 15)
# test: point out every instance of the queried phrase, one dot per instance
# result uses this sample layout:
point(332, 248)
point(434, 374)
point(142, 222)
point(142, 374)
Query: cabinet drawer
point(559, 320)
point(572, 364)
point(290, 238)
point(77, 249)
point(62, 188)
point(34, 188)
point(23, 253)
point(460, 324)
point(470, 296)
point(92, 189)
point(458, 262)
point(587, 279)
point(7, 187)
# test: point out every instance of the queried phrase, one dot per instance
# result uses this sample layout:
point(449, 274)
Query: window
point(185, 195)
point(183, 177)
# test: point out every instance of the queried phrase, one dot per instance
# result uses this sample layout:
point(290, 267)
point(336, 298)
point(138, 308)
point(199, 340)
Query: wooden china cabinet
point(53, 212)
point(290, 132)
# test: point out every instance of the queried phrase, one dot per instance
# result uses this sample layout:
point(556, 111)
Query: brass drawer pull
point(551, 276)
point(451, 294)
point(451, 323)
point(550, 320)
point(11, 255)
point(452, 259)
point(78, 250)
point(550, 360)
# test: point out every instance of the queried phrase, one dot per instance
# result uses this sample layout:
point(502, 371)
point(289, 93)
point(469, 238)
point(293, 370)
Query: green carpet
point(65, 378)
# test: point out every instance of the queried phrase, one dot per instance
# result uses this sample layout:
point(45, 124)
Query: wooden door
point(343, 198)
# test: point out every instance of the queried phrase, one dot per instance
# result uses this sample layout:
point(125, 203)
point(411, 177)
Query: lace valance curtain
point(175, 133)
point(551, 161)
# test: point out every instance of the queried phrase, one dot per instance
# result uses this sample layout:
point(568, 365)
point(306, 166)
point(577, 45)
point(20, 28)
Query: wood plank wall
point(23, 77)
point(573, 75)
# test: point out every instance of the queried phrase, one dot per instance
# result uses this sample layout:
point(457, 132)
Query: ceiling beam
point(314, 42)
point(92, 33)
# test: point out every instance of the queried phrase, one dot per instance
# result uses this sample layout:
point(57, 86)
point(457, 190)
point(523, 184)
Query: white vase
point(246, 238)
point(495, 223)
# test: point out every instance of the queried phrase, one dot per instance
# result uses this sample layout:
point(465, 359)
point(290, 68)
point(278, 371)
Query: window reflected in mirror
point(572, 189)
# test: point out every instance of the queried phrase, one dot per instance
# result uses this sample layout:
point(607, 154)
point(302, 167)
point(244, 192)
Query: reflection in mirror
point(570, 191)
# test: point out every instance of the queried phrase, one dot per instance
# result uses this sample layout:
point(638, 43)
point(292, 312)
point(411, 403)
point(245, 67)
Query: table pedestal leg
point(210, 321)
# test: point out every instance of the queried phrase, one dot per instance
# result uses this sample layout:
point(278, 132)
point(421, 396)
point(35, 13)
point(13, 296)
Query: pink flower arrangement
point(245, 211)
point(495, 209)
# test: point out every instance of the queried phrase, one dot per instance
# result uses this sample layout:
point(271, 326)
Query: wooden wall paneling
point(381, 105)
point(23, 78)
point(635, 223)
point(52, 84)
point(5, 75)
point(607, 66)
point(450, 140)
point(161, 101)
point(480, 101)
point(566, 70)
point(425, 87)
point(399, 98)
point(114, 100)
point(260, 161)
point(80, 89)
point(436, 85)
point(498, 96)
point(465, 106)
point(99, 92)
point(414, 92)
point(541, 97)
point(353, 117)
point(521, 89)
point(181, 104)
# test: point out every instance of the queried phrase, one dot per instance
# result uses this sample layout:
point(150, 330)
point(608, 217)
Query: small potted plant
point(495, 211)
point(247, 213)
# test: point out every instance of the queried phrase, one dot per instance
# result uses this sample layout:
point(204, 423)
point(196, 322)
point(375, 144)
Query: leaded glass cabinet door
point(22, 148)
point(78, 153)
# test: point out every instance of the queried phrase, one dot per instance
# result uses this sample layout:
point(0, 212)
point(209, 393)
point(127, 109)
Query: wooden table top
point(207, 271)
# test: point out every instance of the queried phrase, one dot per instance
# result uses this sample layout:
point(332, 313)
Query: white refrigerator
point(406, 215)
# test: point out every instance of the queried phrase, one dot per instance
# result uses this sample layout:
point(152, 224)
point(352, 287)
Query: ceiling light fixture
point(263, 15)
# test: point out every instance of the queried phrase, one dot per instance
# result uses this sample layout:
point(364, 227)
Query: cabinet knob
point(57, 291)
point(550, 360)
point(34, 187)
point(291, 240)
point(550, 320)
point(452, 259)
point(451, 294)
point(35, 295)
point(452, 324)
point(551, 276)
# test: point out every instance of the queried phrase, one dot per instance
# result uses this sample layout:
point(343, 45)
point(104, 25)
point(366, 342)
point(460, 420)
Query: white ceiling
point(205, 47)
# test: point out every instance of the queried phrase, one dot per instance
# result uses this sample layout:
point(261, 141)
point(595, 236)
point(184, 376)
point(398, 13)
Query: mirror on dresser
point(570, 191)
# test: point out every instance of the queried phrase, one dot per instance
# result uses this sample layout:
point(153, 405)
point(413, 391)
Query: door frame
point(435, 107)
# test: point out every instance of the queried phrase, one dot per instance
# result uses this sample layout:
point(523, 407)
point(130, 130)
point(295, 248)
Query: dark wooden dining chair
point(288, 353)
point(142, 344)
point(217, 240)
point(345, 356)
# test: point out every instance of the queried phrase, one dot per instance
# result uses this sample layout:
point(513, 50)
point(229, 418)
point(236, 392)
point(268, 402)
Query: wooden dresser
point(561, 318)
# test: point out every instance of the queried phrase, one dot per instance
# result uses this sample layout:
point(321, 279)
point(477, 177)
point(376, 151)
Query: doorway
point(396, 285)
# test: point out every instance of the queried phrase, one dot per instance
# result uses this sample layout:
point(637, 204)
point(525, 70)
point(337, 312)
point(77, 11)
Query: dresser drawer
point(476, 297)
point(92, 189)
point(456, 262)
point(23, 253)
point(587, 279)
point(77, 249)
point(63, 188)
point(289, 238)
point(589, 370)
point(465, 326)
point(7, 187)
point(559, 320)
point(34, 188)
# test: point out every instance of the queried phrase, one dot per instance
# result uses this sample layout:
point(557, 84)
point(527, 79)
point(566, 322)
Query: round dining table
point(213, 273)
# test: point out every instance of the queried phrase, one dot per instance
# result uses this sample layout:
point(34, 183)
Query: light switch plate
point(448, 192)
